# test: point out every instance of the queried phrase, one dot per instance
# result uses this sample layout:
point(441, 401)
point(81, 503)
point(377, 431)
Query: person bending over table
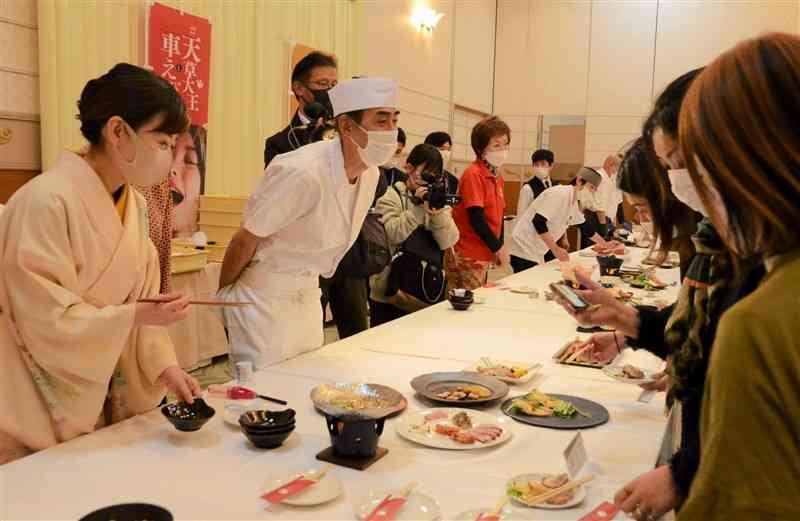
point(77, 349)
point(748, 180)
point(534, 239)
point(683, 332)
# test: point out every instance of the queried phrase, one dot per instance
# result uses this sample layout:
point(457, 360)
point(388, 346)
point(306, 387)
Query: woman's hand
point(649, 496)
point(660, 383)
point(173, 308)
point(605, 347)
point(603, 309)
point(181, 383)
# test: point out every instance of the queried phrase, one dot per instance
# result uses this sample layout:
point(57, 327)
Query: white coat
point(309, 215)
point(559, 205)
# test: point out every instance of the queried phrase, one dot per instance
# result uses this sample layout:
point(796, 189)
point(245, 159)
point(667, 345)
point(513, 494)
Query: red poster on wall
point(179, 50)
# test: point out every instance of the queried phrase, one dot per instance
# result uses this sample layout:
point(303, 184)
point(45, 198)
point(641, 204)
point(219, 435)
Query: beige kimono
point(70, 273)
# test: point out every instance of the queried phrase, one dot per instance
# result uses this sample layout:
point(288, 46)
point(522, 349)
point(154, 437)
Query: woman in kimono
point(77, 349)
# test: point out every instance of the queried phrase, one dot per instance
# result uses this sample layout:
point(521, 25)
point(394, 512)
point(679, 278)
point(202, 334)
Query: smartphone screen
point(570, 296)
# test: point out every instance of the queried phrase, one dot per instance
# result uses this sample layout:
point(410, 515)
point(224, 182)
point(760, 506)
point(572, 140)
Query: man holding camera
point(312, 78)
point(419, 224)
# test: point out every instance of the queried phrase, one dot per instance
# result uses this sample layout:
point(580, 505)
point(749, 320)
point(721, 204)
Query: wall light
point(425, 19)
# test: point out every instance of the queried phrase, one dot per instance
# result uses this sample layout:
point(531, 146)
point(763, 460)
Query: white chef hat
point(363, 93)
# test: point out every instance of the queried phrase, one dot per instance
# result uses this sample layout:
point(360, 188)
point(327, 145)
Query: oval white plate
point(328, 488)
point(418, 507)
point(509, 514)
point(438, 441)
point(577, 499)
point(612, 371)
point(532, 371)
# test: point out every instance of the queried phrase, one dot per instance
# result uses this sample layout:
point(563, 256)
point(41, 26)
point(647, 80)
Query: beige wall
point(19, 86)
point(251, 46)
point(606, 59)
point(452, 66)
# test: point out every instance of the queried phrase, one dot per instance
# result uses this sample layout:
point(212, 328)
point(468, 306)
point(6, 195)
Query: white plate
point(431, 439)
point(328, 488)
point(612, 371)
point(532, 370)
point(508, 514)
point(418, 507)
point(235, 408)
point(577, 499)
point(588, 253)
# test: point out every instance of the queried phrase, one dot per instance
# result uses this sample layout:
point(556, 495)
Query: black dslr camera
point(437, 196)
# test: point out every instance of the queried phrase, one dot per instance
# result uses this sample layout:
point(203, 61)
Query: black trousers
point(519, 264)
point(381, 313)
point(347, 297)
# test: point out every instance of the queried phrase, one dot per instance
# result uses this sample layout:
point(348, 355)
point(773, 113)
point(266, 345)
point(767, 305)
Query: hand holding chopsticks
point(199, 302)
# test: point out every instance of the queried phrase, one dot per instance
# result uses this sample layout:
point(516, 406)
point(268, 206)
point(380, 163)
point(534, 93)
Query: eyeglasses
point(322, 84)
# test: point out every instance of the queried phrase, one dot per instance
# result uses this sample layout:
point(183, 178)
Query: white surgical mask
point(445, 156)
point(496, 158)
point(541, 172)
point(149, 165)
point(381, 146)
point(684, 190)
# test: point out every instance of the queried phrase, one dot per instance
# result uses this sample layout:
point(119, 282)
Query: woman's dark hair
point(428, 155)
point(438, 139)
point(642, 175)
point(667, 107)
point(401, 136)
point(135, 95)
point(487, 129)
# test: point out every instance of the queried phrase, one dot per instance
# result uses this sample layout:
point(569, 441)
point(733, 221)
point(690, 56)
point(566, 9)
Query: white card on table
point(646, 396)
point(575, 455)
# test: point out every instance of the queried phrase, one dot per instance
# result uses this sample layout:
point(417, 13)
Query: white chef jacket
point(309, 211)
point(310, 215)
point(609, 197)
point(526, 195)
point(559, 206)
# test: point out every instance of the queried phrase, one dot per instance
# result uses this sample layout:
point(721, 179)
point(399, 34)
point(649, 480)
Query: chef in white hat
point(301, 220)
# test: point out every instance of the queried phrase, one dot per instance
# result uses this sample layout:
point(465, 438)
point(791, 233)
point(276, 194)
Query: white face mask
point(684, 190)
point(496, 158)
point(149, 166)
point(381, 146)
point(541, 172)
point(445, 156)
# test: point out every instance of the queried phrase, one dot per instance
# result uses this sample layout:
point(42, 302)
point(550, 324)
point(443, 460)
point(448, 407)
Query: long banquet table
point(216, 474)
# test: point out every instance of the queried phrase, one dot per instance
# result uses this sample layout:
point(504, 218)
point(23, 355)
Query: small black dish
point(270, 440)
point(461, 303)
point(188, 417)
point(268, 430)
point(267, 419)
point(609, 264)
point(129, 512)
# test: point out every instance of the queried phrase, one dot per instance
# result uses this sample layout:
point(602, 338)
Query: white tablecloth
point(216, 474)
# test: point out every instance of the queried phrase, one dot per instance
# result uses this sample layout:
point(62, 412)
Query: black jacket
point(452, 183)
point(286, 140)
point(537, 185)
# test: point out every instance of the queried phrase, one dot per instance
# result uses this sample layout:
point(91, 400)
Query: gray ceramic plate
point(429, 385)
point(598, 414)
